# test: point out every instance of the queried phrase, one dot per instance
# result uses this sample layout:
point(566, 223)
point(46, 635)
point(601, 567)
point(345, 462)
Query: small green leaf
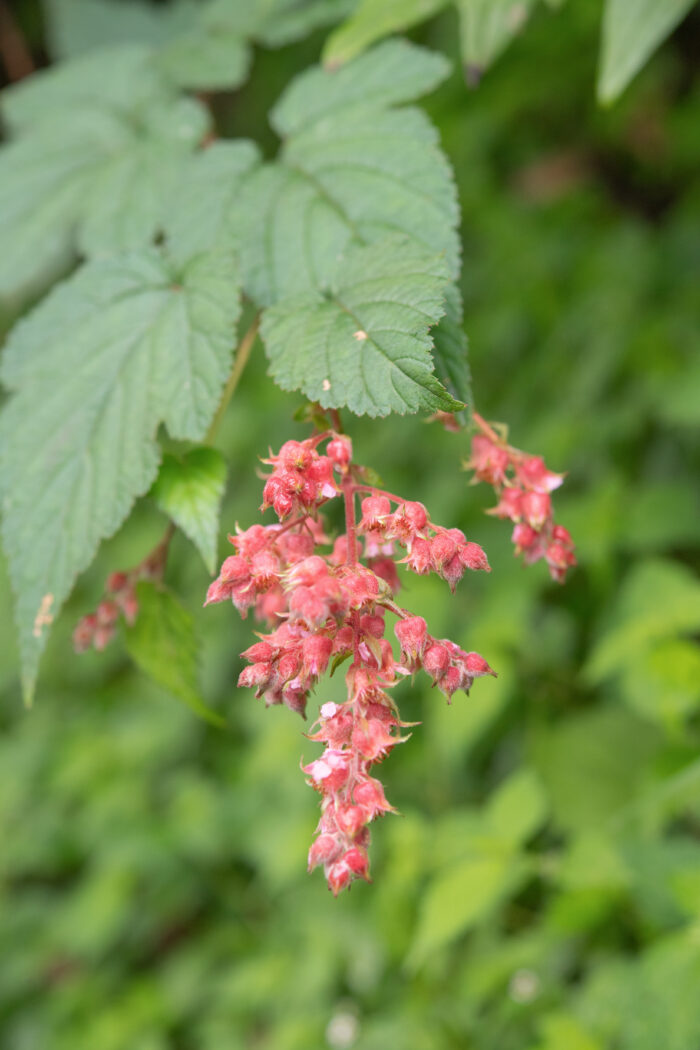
point(189, 489)
point(486, 29)
point(458, 898)
point(632, 31)
point(162, 643)
point(365, 344)
point(518, 808)
point(125, 344)
point(373, 20)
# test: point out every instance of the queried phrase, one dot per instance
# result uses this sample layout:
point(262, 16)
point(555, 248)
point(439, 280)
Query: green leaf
point(189, 489)
point(659, 599)
point(198, 213)
point(594, 764)
point(486, 28)
point(204, 61)
point(93, 166)
point(373, 20)
point(632, 31)
point(458, 898)
point(450, 351)
point(352, 169)
point(78, 26)
point(392, 73)
point(285, 21)
point(162, 643)
point(122, 346)
point(365, 344)
point(518, 808)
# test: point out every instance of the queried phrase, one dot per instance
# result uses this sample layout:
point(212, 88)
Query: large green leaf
point(632, 30)
point(486, 28)
point(373, 20)
point(364, 343)
point(93, 165)
point(78, 26)
point(162, 643)
point(189, 489)
point(124, 345)
point(351, 168)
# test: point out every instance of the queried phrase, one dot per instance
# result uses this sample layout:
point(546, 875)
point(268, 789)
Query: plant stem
point(486, 429)
point(350, 527)
point(241, 359)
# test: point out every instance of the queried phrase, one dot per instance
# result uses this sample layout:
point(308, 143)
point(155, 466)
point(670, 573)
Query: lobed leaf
point(365, 343)
point(124, 345)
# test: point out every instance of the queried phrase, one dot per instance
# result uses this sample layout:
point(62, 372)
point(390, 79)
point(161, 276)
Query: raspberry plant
point(170, 250)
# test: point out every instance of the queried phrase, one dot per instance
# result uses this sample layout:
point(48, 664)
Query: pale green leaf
point(124, 345)
point(284, 21)
point(458, 898)
point(204, 61)
point(659, 599)
point(486, 28)
point(92, 166)
point(373, 20)
point(162, 643)
point(189, 489)
point(518, 808)
point(78, 26)
point(355, 179)
point(365, 343)
point(389, 74)
point(197, 215)
point(662, 680)
point(632, 31)
point(594, 764)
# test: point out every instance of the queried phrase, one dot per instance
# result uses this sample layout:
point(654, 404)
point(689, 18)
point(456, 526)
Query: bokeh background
point(541, 889)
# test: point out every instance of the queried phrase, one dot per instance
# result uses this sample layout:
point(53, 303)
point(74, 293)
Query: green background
point(541, 889)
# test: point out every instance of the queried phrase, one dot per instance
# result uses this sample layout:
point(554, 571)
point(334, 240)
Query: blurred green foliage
point(541, 890)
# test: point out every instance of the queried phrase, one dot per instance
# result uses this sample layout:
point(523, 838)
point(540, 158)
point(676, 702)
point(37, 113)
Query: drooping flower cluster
point(332, 606)
point(523, 485)
point(97, 629)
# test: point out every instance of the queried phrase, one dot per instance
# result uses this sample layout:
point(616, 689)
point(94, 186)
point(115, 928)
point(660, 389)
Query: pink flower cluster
point(332, 607)
point(97, 629)
point(523, 485)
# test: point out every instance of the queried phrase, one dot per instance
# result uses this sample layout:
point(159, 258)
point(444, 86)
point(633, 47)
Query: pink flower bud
point(476, 666)
point(420, 558)
point(316, 651)
point(339, 450)
point(562, 535)
point(489, 461)
point(375, 509)
point(436, 660)
point(218, 592)
point(83, 634)
point(386, 570)
point(536, 508)
point(339, 876)
point(453, 571)
point(259, 652)
point(473, 556)
point(325, 849)
point(372, 625)
point(117, 581)
point(510, 504)
point(358, 862)
point(442, 549)
point(412, 634)
point(257, 676)
point(523, 537)
point(349, 818)
point(533, 474)
point(370, 795)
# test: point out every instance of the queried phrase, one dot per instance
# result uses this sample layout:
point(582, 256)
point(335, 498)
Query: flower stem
point(241, 359)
